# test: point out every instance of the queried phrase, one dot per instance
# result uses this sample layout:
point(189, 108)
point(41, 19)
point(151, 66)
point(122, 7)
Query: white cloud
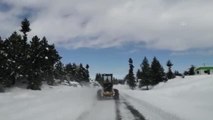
point(175, 25)
point(200, 52)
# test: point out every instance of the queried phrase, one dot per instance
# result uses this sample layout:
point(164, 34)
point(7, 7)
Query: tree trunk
point(147, 87)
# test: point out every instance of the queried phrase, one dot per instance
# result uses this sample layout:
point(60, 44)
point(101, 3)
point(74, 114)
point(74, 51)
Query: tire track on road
point(118, 112)
point(102, 110)
point(136, 115)
point(135, 112)
point(151, 111)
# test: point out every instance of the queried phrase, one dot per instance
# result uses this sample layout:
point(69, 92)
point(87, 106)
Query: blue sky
point(106, 33)
point(115, 60)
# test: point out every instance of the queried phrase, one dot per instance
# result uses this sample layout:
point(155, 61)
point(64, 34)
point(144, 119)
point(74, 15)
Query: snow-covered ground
point(188, 98)
point(56, 103)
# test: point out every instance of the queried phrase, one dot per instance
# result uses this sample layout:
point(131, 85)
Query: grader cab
point(107, 90)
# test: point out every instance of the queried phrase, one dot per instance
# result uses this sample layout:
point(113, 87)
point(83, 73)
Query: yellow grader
point(107, 91)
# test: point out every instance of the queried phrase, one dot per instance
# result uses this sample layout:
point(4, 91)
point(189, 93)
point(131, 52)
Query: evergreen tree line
point(98, 78)
point(72, 72)
point(33, 62)
point(148, 74)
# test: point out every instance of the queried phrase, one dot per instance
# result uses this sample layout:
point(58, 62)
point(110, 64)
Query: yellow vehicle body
point(108, 94)
point(107, 90)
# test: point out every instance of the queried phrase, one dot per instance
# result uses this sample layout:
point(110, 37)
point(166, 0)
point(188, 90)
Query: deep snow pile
point(52, 103)
point(189, 98)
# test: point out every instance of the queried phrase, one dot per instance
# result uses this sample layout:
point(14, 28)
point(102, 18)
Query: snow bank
point(52, 103)
point(189, 98)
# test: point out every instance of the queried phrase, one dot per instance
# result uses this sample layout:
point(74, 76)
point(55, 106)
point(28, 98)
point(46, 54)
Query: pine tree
point(80, 73)
point(131, 77)
point(19, 59)
point(1, 57)
point(138, 74)
point(77, 72)
point(25, 28)
point(145, 75)
point(170, 74)
point(59, 71)
point(87, 66)
point(14, 54)
point(35, 65)
point(69, 71)
point(126, 79)
point(157, 72)
point(177, 73)
point(192, 70)
point(49, 57)
point(87, 73)
point(2, 64)
point(98, 78)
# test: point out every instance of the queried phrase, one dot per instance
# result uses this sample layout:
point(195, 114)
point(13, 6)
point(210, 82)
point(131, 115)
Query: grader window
point(107, 77)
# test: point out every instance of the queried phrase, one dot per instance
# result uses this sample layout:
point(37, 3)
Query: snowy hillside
point(188, 98)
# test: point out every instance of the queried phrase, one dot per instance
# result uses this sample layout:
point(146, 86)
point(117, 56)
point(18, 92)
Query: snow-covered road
point(181, 99)
point(149, 111)
point(127, 111)
point(112, 110)
point(101, 110)
point(64, 103)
